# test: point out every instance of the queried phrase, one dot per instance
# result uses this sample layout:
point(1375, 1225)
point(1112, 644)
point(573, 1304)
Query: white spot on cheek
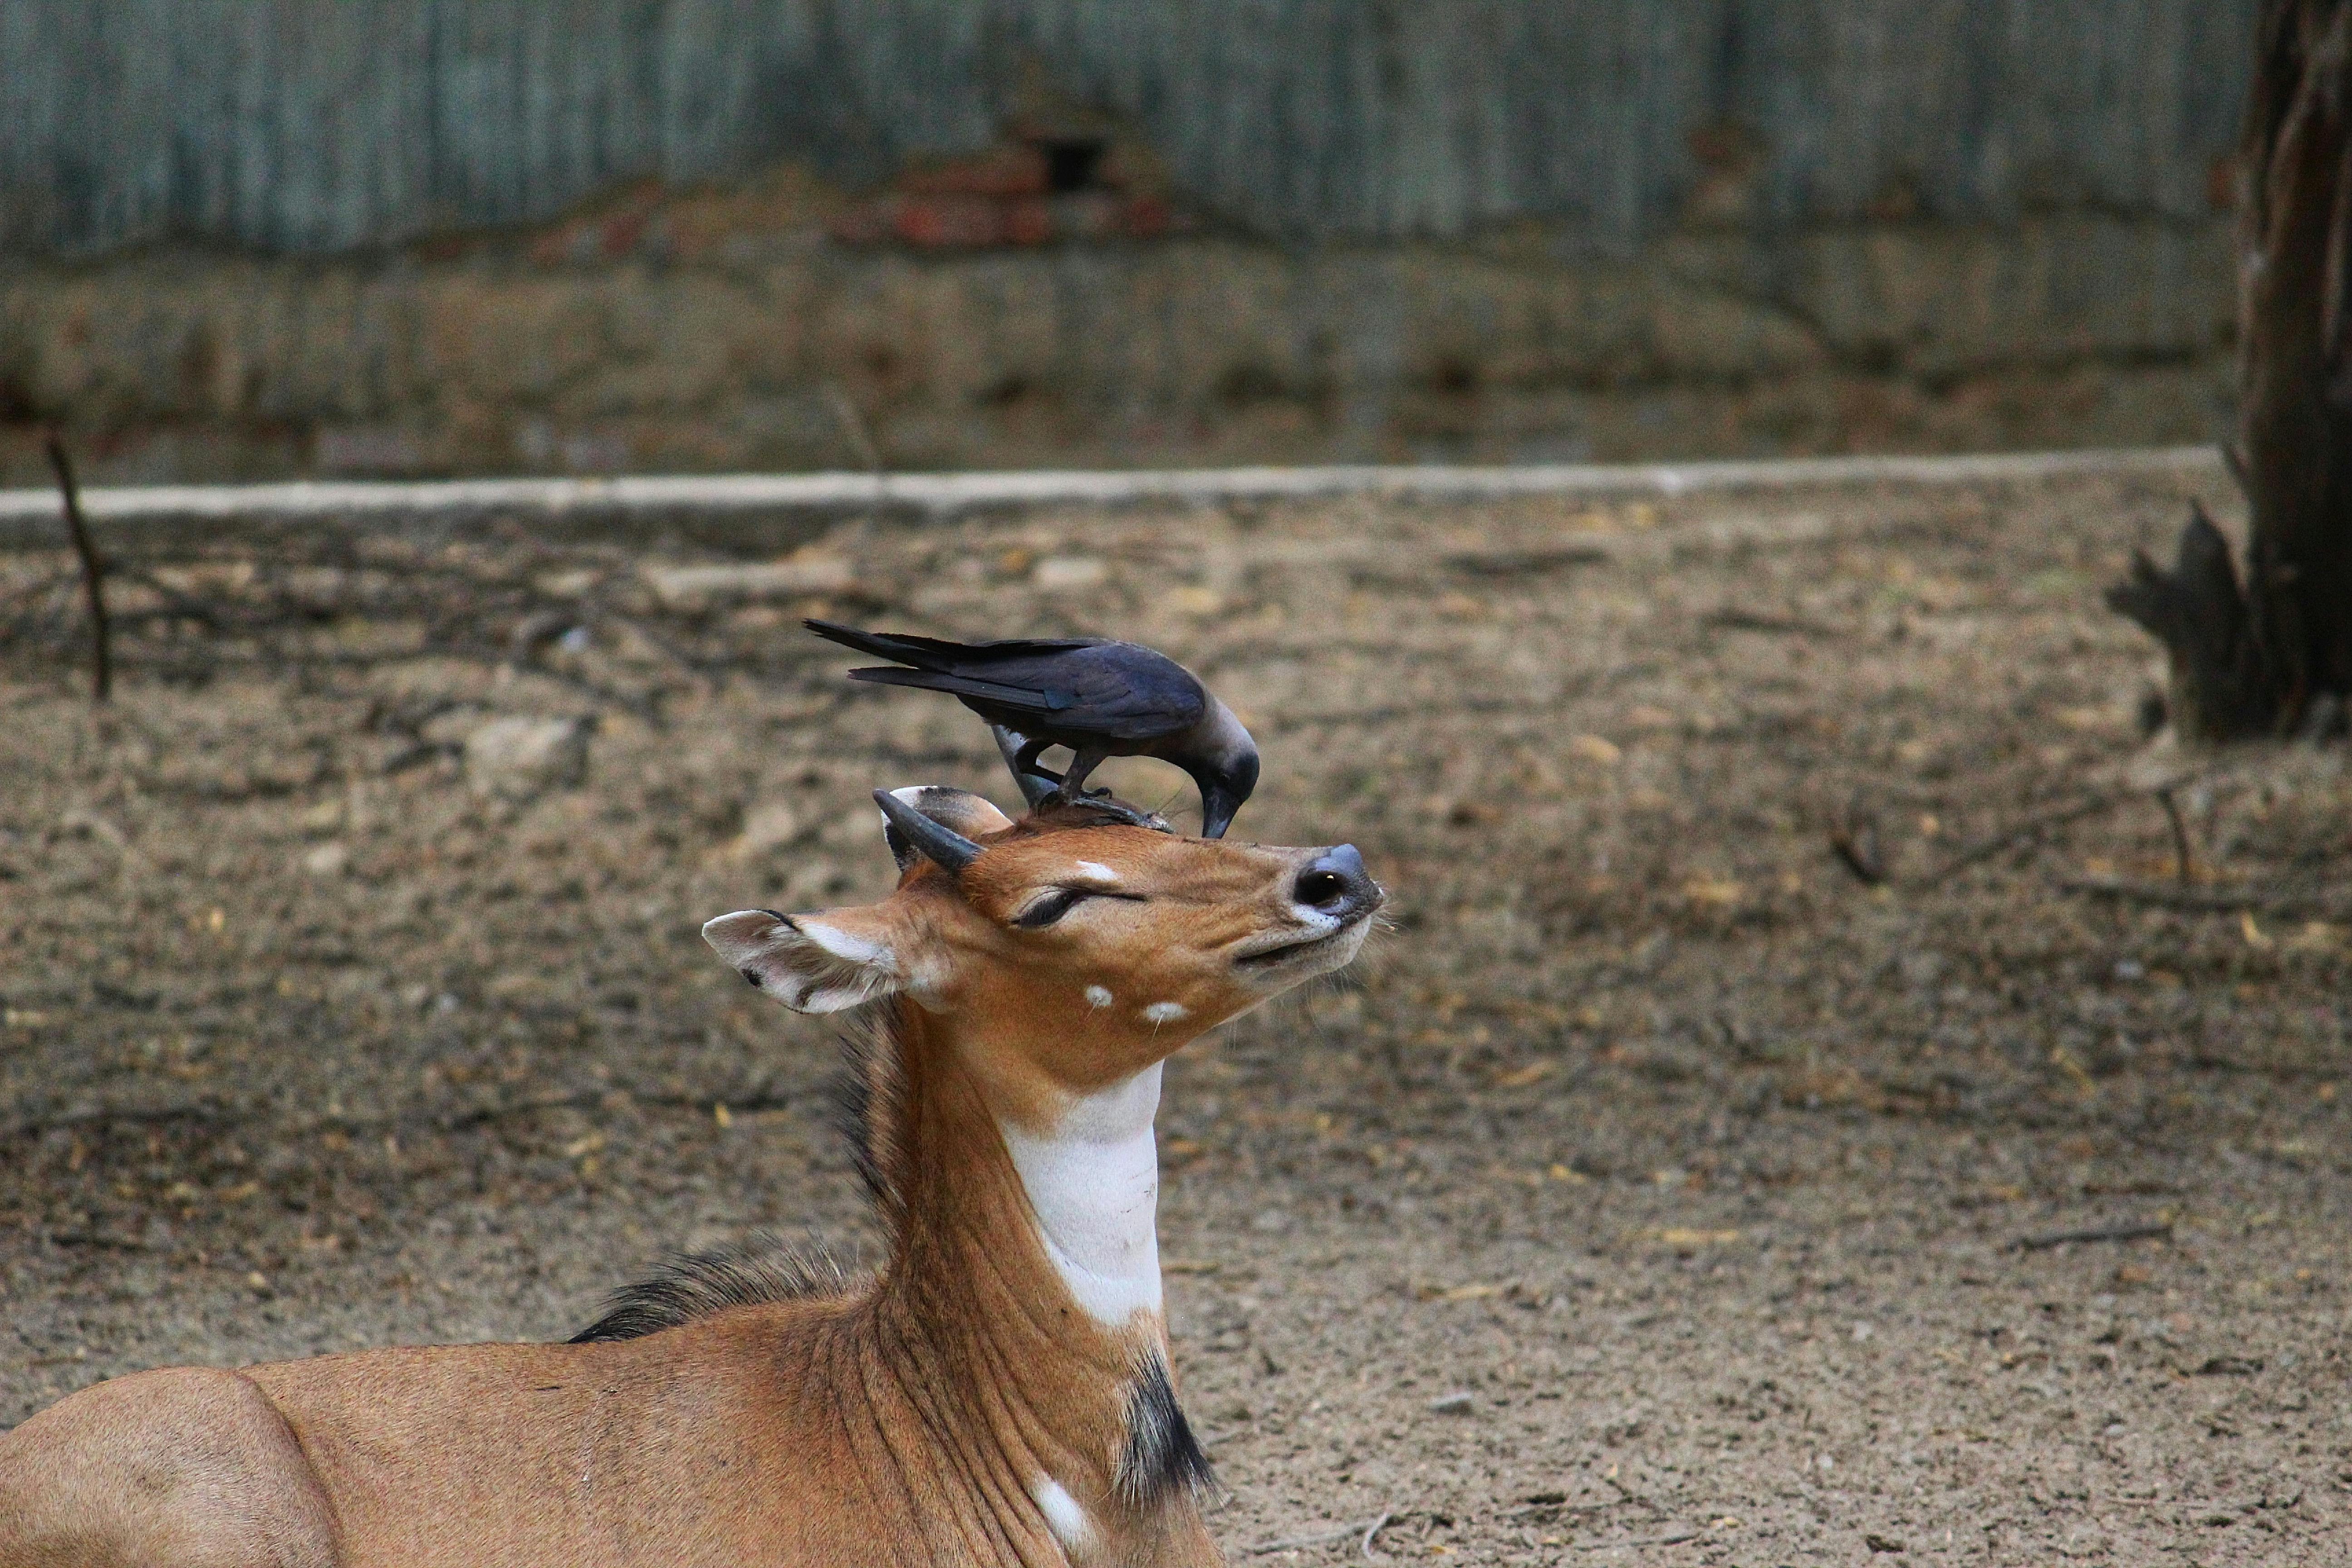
point(1096, 873)
point(1165, 1012)
point(1063, 1515)
point(1099, 997)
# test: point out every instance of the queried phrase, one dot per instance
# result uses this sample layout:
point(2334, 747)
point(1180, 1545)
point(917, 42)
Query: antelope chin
point(1288, 963)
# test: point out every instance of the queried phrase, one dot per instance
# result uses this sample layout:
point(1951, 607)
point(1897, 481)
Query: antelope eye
point(1057, 903)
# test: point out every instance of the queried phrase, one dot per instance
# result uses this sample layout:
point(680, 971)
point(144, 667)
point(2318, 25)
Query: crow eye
point(1051, 907)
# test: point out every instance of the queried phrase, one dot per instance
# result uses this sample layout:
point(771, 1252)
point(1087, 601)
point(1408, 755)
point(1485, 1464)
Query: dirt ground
point(1655, 1193)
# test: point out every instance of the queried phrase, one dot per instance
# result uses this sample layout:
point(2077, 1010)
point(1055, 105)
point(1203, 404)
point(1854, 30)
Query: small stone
point(327, 860)
point(695, 587)
point(765, 827)
point(1456, 1403)
point(1060, 573)
point(517, 758)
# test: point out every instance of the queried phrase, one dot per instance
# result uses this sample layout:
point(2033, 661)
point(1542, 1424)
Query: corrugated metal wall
point(318, 125)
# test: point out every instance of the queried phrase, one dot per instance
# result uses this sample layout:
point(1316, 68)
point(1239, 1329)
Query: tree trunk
point(2272, 655)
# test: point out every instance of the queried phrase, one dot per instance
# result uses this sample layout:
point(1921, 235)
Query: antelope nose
point(1335, 883)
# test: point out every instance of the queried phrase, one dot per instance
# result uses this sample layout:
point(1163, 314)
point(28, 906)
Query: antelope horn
point(949, 849)
point(1033, 789)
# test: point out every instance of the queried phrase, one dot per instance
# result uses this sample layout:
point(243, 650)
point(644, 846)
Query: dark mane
point(868, 1099)
point(687, 1285)
point(869, 1096)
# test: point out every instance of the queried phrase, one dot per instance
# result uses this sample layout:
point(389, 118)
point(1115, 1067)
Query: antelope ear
point(812, 963)
point(956, 810)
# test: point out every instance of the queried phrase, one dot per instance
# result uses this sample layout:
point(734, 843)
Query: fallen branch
point(1853, 835)
point(2026, 832)
point(2198, 900)
point(1735, 620)
point(93, 574)
point(1300, 1542)
point(2182, 861)
point(2140, 1232)
point(1364, 1532)
point(400, 1123)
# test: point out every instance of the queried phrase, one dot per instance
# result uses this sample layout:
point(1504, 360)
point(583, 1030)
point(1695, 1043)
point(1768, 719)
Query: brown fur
point(747, 1420)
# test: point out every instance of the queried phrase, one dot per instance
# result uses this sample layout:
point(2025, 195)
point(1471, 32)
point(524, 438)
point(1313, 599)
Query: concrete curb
point(24, 511)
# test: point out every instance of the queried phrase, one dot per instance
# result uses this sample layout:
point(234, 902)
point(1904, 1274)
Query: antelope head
point(1073, 948)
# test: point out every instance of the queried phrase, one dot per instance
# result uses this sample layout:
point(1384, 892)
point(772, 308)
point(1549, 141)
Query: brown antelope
point(999, 1393)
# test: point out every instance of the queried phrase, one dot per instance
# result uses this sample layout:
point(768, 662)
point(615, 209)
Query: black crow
point(1099, 697)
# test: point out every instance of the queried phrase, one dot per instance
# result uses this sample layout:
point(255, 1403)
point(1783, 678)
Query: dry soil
point(1663, 1189)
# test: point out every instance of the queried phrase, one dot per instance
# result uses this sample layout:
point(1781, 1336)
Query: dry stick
point(93, 572)
point(2180, 833)
point(1325, 1538)
point(853, 425)
point(1299, 1543)
point(2026, 831)
point(2095, 1233)
point(1854, 836)
point(2200, 900)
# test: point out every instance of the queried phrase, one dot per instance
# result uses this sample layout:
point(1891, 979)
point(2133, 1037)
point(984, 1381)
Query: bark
point(2272, 653)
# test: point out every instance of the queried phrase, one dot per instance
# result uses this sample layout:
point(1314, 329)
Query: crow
point(1099, 697)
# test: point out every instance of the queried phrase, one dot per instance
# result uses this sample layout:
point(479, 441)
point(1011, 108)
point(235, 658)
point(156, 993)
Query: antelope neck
point(1037, 1349)
point(1084, 1183)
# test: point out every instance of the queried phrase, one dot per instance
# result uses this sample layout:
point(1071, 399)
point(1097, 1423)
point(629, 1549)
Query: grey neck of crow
point(1223, 760)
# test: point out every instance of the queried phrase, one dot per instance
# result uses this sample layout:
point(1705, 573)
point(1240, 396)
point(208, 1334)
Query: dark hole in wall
point(1071, 163)
point(1248, 381)
point(1454, 376)
point(1011, 389)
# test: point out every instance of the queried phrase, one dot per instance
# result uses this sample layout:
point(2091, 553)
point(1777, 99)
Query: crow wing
point(1116, 691)
point(937, 653)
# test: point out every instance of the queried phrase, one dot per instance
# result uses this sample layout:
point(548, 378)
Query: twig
point(1296, 1542)
point(2180, 863)
point(1735, 620)
point(853, 425)
point(412, 1123)
point(1326, 1537)
point(1854, 836)
point(2024, 832)
point(93, 572)
point(2095, 1233)
point(2199, 901)
point(1674, 1539)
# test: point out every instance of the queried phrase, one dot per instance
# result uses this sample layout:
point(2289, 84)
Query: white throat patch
point(1094, 1185)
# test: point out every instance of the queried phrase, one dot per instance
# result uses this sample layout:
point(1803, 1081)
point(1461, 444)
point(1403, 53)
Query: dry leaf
point(1675, 1235)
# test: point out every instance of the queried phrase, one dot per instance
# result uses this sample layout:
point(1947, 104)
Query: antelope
point(999, 1391)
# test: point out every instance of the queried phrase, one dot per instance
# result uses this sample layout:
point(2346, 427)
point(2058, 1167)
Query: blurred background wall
point(255, 236)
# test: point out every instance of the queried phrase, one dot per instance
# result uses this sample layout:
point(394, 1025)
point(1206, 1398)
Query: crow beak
point(1218, 805)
